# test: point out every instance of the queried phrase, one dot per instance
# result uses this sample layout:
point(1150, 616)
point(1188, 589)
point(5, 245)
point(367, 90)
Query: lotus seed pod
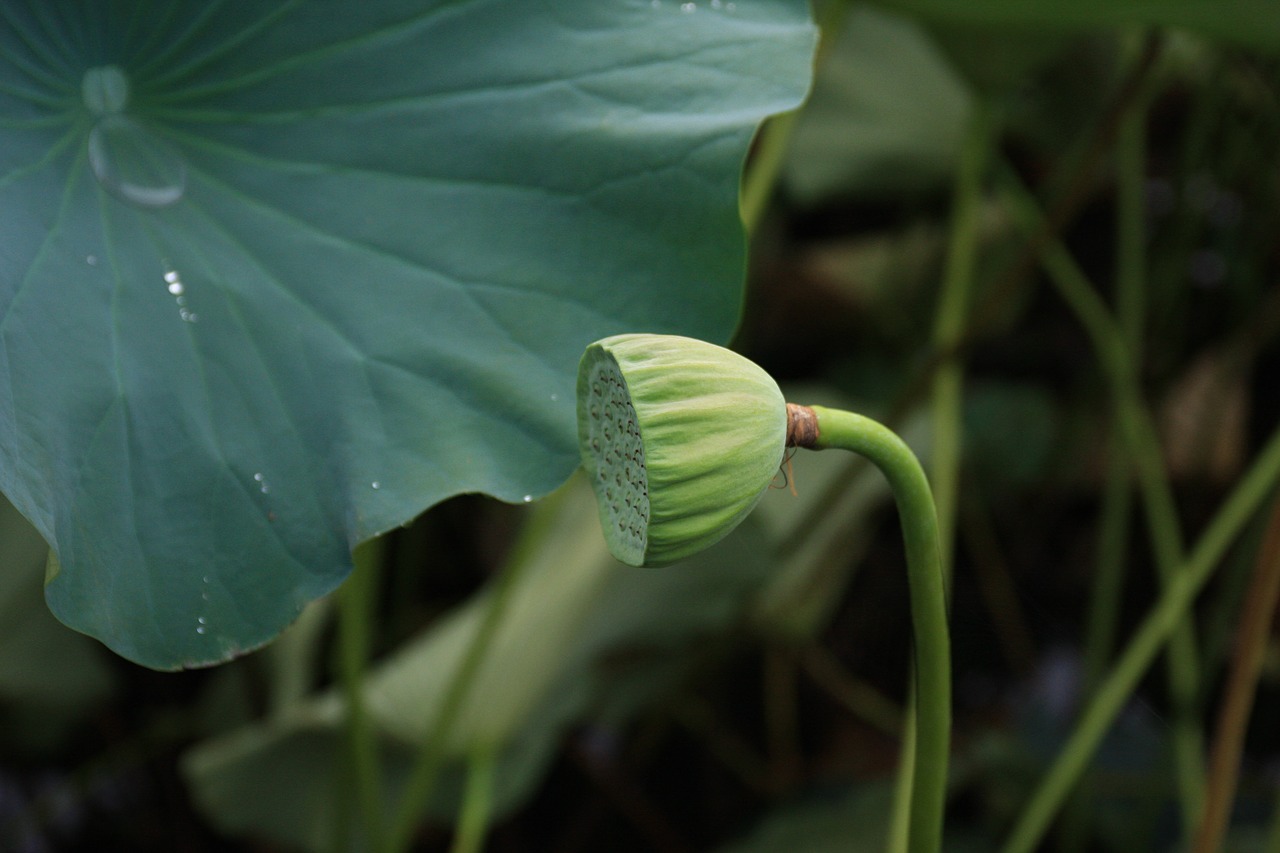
point(679, 438)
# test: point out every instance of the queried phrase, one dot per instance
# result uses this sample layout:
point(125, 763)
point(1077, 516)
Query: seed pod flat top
point(679, 438)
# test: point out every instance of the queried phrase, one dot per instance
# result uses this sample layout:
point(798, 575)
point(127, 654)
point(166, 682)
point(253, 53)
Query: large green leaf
point(277, 277)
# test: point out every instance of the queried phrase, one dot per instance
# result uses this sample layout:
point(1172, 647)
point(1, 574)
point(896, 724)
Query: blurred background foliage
point(749, 699)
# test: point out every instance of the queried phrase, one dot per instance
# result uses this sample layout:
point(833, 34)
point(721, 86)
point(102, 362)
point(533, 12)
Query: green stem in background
point(858, 697)
point(1103, 618)
point(1272, 844)
point(1161, 622)
point(841, 430)
point(1143, 446)
point(898, 839)
point(1104, 609)
point(949, 324)
point(356, 603)
point(1131, 222)
point(477, 801)
point(766, 163)
point(431, 755)
point(774, 137)
point(1238, 695)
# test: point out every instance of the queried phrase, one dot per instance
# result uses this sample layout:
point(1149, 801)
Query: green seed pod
point(679, 438)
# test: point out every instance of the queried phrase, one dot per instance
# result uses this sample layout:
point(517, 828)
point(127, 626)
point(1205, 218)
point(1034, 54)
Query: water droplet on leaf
point(134, 164)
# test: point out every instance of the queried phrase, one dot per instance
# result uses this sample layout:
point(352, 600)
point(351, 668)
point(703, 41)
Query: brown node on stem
point(802, 426)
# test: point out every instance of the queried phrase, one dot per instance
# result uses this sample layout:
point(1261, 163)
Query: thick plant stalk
point(823, 429)
point(947, 408)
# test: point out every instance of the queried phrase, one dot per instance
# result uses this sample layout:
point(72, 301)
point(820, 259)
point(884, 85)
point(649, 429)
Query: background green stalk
point(1130, 271)
point(477, 801)
point(1103, 616)
point(356, 603)
point(774, 136)
point(426, 769)
point(898, 839)
point(1161, 622)
point(949, 325)
point(1272, 844)
point(1143, 446)
point(932, 717)
point(772, 141)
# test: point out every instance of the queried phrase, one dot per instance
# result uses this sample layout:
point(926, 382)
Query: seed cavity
point(614, 439)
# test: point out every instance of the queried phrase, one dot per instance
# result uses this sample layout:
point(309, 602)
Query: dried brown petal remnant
point(802, 426)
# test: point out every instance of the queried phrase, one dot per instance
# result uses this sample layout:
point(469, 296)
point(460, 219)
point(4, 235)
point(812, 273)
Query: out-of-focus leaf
point(843, 820)
point(1244, 21)
point(886, 115)
point(566, 562)
point(46, 670)
point(1009, 433)
point(278, 277)
point(998, 60)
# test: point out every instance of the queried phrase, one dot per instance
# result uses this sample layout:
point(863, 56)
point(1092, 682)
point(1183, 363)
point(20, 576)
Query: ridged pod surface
point(679, 438)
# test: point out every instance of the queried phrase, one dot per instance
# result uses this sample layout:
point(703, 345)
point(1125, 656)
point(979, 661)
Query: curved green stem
point(932, 718)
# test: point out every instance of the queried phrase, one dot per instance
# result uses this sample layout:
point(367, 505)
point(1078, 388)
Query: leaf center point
point(105, 90)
